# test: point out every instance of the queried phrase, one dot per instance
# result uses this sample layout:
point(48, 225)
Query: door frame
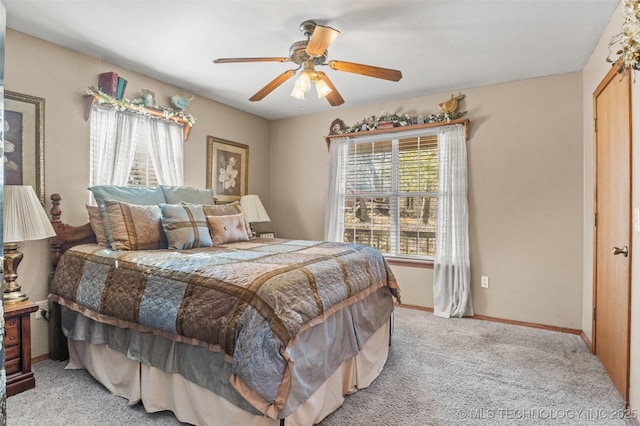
point(615, 71)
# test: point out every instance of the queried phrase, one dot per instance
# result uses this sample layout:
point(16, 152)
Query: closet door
point(612, 286)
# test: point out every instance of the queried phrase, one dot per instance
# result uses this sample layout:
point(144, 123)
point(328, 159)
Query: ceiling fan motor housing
point(299, 55)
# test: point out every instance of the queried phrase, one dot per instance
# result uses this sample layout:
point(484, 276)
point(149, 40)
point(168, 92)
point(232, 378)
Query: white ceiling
point(440, 46)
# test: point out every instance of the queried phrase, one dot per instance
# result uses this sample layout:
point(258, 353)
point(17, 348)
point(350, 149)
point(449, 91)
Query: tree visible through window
point(391, 196)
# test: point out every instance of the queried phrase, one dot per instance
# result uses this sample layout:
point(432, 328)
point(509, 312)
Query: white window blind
point(391, 194)
point(142, 171)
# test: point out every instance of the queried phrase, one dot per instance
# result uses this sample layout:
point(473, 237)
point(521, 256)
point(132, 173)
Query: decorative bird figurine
point(180, 102)
point(451, 105)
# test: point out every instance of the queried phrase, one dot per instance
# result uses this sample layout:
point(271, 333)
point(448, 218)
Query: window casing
point(391, 194)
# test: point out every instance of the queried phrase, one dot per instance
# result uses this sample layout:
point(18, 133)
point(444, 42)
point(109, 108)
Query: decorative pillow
point(185, 226)
point(95, 220)
point(128, 194)
point(227, 229)
point(132, 226)
point(225, 210)
point(187, 194)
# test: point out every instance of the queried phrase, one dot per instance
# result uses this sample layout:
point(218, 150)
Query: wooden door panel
point(613, 209)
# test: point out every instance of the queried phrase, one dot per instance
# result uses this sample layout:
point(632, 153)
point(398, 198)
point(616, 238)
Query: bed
point(250, 331)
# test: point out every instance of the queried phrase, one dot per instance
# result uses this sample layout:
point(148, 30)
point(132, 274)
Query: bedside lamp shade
point(253, 210)
point(24, 220)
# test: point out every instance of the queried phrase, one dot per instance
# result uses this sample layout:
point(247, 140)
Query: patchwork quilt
point(247, 299)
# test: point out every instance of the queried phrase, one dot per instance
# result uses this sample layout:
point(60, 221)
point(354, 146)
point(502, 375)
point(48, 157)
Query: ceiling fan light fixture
point(322, 88)
point(301, 86)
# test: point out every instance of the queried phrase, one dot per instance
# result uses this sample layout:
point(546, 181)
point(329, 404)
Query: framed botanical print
point(24, 141)
point(227, 168)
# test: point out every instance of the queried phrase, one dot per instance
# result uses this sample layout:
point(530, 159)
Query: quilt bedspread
point(247, 299)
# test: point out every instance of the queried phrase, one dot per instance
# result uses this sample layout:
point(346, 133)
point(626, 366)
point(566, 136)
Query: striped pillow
point(185, 226)
point(132, 226)
point(95, 221)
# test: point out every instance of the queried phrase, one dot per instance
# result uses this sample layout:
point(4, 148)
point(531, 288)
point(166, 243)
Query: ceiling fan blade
point(321, 39)
point(233, 60)
point(272, 85)
point(368, 70)
point(333, 97)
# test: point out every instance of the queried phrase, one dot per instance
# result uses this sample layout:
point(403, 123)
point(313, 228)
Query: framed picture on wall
point(227, 168)
point(24, 141)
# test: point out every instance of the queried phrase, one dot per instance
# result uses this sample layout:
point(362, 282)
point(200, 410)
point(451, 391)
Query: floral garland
point(629, 38)
point(137, 105)
point(398, 120)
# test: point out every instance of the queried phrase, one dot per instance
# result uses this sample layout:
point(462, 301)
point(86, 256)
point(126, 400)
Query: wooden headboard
point(66, 237)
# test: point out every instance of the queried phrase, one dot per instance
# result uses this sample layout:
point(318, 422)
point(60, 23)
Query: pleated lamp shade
point(253, 209)
point(24, 216)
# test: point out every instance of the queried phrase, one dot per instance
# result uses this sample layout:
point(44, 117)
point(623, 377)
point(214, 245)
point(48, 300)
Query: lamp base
point(14, 296)
point(12, 258)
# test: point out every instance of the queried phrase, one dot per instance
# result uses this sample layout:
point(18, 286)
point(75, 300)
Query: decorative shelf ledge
point(463, 121)
point(95, 95)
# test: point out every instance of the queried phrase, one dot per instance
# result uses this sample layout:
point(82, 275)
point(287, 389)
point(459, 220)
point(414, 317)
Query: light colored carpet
point(439, 372)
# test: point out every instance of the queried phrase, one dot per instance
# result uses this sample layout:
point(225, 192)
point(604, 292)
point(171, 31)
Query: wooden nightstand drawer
point(11, 352)
point(12, 333)
point(17, 341)
point(12, 366)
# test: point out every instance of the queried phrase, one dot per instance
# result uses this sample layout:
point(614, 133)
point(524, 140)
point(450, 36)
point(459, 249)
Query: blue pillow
point(128, 194)
point(187, 194)
point(185, 226)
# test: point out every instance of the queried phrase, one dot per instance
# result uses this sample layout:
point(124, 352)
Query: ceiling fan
point(308, 54)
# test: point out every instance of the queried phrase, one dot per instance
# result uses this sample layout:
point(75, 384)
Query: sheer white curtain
point(112, 145)
point(166, 150)
point(451, 272)
point(334, 217)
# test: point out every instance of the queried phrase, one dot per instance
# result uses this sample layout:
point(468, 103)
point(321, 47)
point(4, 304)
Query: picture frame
point(24, 141)
point(337, 126)
point(268, 234)
point(227, 169)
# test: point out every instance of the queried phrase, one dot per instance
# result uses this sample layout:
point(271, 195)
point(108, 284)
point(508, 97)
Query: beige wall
point(525, 160)
point(61, 77)
point(593, 73)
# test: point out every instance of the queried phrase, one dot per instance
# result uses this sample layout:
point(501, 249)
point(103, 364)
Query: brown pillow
point(227, 229)
point(224, 210)
point(95, 220)
point(132, 226)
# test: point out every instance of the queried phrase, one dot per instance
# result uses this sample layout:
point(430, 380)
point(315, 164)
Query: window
point(142, 171)
point(391, 194)
point(131, 149)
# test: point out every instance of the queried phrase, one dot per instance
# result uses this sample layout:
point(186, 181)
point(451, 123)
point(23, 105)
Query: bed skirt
point(191, 403)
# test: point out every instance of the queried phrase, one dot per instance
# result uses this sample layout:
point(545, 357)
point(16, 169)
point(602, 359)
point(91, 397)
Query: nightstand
point(17, 346)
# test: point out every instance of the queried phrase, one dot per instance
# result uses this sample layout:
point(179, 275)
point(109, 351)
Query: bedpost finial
point(55, 207)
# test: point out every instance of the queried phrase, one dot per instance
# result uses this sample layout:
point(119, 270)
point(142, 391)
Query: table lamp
point(253, 211)
point(24, 220)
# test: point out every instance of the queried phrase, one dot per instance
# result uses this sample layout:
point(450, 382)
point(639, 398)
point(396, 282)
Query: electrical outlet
point(43, 305)
point(484, 282)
